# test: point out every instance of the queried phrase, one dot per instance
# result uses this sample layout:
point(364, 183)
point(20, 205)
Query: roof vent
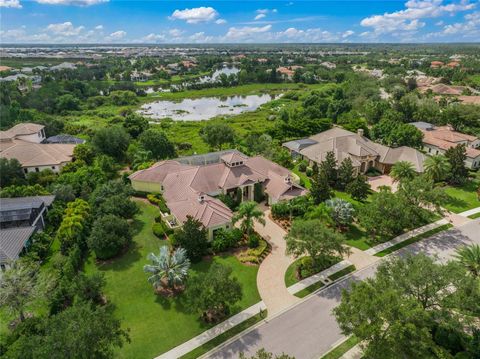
point(360, 132)
point(201, 198)
point(288, 180)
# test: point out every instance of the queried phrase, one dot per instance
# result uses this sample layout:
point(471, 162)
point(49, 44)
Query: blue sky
point(166, 21)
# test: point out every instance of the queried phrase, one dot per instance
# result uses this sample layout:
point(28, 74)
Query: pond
point(204, 108)
point(216, 74)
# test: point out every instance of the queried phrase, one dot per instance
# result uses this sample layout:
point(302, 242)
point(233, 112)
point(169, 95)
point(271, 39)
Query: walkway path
point(271, 274)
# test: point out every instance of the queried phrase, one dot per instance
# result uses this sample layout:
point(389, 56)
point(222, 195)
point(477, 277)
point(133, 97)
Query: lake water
point(216, 74)
point(204, 108)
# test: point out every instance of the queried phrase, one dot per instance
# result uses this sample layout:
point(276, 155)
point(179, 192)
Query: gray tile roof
point(65, 139)
point(12, 241)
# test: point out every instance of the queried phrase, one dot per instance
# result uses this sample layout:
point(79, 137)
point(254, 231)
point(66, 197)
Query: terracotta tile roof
point(444, 138)
point(188, 189)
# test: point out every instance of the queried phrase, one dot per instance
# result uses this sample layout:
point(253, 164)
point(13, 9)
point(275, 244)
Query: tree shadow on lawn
point(123, 261)
point(456, 202)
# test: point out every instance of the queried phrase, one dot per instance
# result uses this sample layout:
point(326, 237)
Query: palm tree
point(247, 212)
point(171, 268)
point(469, 257)
point(437, 167)
point(402, 170)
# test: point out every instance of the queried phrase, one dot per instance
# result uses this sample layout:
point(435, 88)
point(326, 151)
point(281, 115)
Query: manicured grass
point(343, 272)
point(309, 290)
point(224, 336)
point(158, 324)
point(413, 240)
point(342, 348)
point(358, 238)
point(463, 197)
point(473, 216)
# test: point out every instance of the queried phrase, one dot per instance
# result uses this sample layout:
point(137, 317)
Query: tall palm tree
point(437, 167)
point(247, 212)
point(402, 170)
point(167, 268)
point(469, 257)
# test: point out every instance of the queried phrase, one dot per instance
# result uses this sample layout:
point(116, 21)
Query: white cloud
point(409, 19)
point(348, 33)
point(246, 32)
point(195, 15)
point(175, 32)
point(99, 27)
point(470, 27)
point(11, 3)
point(262, 13)
point(154, 38)
point(72, 2)
point(220, 21)
point(308, 35)
point(117, 35)
point(64, 29)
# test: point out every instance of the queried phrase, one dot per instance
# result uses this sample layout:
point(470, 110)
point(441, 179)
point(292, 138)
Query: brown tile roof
point(31, 154)
point(345, 144)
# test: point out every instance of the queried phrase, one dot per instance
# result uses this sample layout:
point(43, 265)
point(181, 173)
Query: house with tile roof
point(190, 185)
point(25, 142)
point(438, 139)
point(363, 152)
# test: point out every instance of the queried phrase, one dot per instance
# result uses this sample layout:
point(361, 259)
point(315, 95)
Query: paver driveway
point(271, 274)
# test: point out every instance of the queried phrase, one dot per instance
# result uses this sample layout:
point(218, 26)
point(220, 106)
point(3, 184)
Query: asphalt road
point(308, 330)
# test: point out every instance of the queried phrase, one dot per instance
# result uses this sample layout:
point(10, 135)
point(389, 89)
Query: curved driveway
point(308, 330)
point(270, 277)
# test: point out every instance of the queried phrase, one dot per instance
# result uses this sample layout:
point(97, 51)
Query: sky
point(229, 21)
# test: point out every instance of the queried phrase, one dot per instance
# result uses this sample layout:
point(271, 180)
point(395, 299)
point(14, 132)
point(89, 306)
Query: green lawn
point(358, 238)
point(463, 197)
point(158, 324)
point(474, 216)
point(342, 348)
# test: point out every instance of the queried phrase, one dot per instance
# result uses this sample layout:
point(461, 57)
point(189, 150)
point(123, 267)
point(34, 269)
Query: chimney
point(360, 132)
point(201, 198)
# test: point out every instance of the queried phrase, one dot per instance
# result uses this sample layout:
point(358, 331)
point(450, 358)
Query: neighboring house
point(288, 71)
point(24, 143)
point(20, 218)
point(436, 64)
point(364, 153)
point(189, 185)
point(436, 140)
